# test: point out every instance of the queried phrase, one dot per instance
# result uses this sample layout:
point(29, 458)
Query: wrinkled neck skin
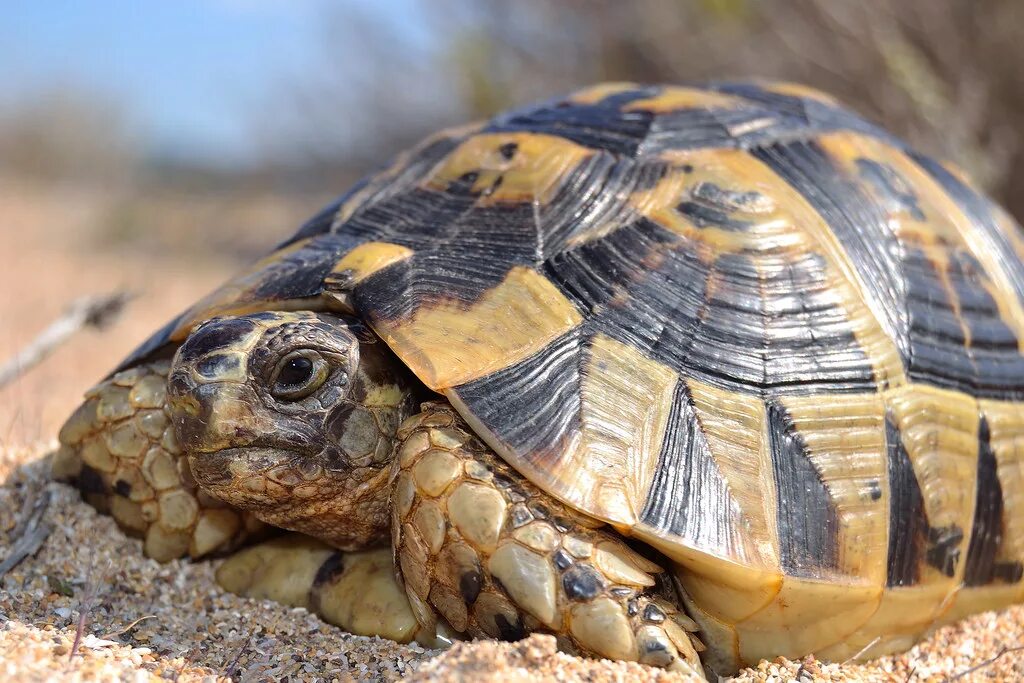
point(320, 464)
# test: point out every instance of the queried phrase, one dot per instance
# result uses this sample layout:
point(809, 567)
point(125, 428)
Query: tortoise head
point(292, 415)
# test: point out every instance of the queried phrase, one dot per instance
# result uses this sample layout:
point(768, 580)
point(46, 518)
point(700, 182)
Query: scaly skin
point(496, 557)
point(121, 452)
point(357, 591)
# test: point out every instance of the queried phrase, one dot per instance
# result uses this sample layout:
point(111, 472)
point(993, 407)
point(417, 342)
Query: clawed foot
point(354, 590)
point(496, 557)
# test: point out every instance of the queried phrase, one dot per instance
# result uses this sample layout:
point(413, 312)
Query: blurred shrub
point(66, 133)
point(944, 74)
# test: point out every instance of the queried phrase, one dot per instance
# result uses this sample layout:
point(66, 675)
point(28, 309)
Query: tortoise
point(692, 376)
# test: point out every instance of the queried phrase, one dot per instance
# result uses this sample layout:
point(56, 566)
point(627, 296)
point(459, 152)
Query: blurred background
point(155, 147)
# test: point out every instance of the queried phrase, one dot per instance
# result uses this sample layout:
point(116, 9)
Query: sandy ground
point(137, 620)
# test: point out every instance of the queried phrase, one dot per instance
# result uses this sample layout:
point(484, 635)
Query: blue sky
point(189, 72)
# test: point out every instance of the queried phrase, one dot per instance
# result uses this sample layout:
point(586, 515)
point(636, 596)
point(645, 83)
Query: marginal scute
point(367, 259)
point(509, 322)
point(626, 401)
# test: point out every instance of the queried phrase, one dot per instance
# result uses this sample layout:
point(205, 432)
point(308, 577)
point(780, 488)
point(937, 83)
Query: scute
point(736, 321)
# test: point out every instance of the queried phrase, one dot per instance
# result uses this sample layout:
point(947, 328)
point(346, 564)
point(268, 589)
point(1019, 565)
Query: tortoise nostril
point(186, 404)
point(188, 413)
point(179, 394)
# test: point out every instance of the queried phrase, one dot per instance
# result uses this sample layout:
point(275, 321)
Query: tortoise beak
point(211, 416)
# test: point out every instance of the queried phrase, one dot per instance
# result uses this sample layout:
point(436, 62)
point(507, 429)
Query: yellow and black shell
point(737, 322)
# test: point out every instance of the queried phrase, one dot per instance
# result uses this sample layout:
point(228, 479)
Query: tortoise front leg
point(119, 449)
point(495, 556)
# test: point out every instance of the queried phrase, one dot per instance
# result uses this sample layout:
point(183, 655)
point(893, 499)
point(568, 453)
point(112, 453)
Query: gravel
point(138, 620)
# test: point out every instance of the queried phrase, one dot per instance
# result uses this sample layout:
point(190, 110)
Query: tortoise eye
point(299, 374)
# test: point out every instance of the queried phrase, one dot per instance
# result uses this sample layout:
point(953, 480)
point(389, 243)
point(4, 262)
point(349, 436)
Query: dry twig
point(85, 606)
point(982, 665)
point(861, 651)
point(129, 627)
point(97, 312)
point(229, 672)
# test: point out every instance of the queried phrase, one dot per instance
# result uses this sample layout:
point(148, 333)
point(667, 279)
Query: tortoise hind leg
point(495, 556)
point(119, 449)
point(357, 591)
